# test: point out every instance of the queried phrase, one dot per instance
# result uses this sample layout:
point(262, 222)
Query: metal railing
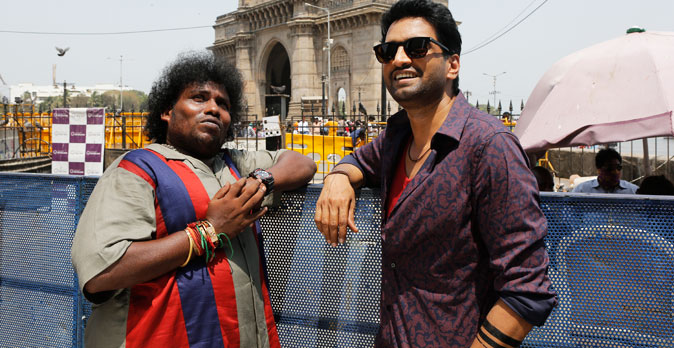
point(325, 140)
point(25, 133)
point(580, 160)
point(611, 264)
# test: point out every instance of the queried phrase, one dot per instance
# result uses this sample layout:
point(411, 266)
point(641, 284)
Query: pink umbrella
point(618, 90)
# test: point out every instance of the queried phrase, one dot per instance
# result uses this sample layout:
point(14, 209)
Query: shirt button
point(393, 265)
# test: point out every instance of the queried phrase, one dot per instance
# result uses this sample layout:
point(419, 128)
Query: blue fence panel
point(38, 292)
point(611, 262)
point(323, 296)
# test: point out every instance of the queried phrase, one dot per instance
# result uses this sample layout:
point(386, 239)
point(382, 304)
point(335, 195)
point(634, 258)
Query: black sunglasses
point(416, 47)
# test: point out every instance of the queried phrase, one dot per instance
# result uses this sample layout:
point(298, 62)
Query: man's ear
point(166, 115)
point(453, 66)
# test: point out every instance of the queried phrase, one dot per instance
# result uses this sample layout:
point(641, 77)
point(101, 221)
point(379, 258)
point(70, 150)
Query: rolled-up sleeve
point(368, 159)
point(512, 226)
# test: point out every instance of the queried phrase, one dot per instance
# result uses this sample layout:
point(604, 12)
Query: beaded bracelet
point(205, 240)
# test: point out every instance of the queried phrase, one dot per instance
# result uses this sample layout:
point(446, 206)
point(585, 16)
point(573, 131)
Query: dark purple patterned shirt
point(466, 231)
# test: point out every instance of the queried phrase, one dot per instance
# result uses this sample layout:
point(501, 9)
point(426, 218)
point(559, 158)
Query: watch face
point(262, 174)
point(266, 177)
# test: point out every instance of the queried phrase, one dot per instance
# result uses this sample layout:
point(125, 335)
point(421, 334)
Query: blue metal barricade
point(612, 264)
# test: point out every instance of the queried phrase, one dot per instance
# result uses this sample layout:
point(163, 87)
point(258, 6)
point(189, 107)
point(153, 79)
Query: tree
point(54, 102)
point(96, 100)
point(109, 100)
point(133, 100)
point(79, 101)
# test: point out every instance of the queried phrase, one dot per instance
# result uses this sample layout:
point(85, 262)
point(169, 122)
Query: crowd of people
point(360, 131)
point(340, 127)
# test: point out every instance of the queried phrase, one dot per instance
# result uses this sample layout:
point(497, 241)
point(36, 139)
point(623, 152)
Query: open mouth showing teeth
point(404, 76)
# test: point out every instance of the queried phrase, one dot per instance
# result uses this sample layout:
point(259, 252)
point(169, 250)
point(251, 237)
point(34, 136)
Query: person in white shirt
point(609, 168)
point(303, 127)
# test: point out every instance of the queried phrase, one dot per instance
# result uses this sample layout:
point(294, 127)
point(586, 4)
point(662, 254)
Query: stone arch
point(340, 70)
point(276, 72)
point(342, 102)
point(340, 62)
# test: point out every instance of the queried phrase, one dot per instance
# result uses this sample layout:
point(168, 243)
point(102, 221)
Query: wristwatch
point(266, 177)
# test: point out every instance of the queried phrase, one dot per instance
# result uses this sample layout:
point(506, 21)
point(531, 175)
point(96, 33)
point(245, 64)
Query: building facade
point(284, 44)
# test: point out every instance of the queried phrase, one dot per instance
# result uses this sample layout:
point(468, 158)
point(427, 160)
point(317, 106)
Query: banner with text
point(78, 138)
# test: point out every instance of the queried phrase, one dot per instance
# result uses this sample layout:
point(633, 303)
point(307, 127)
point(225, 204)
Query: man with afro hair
point(167, 247)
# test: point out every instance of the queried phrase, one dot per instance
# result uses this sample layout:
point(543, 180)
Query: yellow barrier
point(326, 151)
point(135, 135)
point(34, 131)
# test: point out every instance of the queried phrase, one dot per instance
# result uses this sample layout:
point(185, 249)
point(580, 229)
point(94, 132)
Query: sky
point(518, 58)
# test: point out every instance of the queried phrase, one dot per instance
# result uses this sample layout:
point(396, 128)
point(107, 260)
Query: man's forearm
point(142, 261)
point(354, 174)
point(292, 170)
point(503, 327)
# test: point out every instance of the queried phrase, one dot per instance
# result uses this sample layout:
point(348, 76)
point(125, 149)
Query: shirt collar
point(167, 151)
point(170, 153)
point(449, 133)
point(451, 128)
point(455, 122)
point(595, 184)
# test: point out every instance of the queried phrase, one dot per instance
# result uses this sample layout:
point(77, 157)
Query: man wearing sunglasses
point(609, 169)
point(463, 258)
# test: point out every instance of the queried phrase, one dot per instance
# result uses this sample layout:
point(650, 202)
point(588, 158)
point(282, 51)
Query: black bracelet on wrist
point(500, 335)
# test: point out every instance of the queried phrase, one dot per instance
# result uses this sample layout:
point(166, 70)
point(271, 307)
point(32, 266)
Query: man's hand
point(335, 209)
point(236, 206)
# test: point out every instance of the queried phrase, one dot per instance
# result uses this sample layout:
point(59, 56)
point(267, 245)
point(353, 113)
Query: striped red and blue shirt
point(149, 194)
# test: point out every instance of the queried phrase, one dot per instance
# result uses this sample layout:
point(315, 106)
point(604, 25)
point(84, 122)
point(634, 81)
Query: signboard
point(271, 126)
point(78, 138)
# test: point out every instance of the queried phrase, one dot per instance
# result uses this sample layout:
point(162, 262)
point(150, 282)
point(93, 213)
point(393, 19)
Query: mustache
point(213, 119)
point(407, 67)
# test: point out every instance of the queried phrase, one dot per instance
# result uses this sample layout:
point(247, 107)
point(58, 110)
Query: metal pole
point(647, 165)
point(329, 44)
point(65, 94)
point(329, 68)
point(383, 100)
point(123, 130)
point(494, 92)
point(323, 97)
point(121, 85)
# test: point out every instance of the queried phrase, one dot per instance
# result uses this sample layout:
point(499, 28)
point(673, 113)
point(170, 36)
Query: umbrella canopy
point(618, 90)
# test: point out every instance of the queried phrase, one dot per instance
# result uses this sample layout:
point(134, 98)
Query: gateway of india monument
point(284, 44)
